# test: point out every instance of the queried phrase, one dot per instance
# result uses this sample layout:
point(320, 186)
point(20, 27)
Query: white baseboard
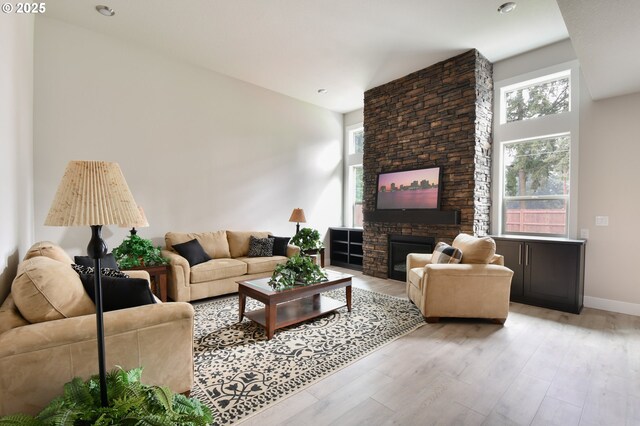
point(612, 305)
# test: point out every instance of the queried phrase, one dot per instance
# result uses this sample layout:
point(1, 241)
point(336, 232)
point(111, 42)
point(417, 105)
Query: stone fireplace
point(438, 116)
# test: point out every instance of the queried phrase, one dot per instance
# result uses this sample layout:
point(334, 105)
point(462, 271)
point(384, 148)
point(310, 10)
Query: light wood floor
point(543, 367)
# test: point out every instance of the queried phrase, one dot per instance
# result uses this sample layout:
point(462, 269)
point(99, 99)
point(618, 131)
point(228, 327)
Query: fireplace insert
point(400, 246)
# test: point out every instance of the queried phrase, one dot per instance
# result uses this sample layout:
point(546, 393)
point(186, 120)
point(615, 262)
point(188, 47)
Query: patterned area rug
point(238, 372)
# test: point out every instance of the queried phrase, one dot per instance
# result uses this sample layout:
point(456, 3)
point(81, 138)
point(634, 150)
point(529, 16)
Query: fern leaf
point(77, 392)
point(156, 420)
point(19, 420)
point(164, 396)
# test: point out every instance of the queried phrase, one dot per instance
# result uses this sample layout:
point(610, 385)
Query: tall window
point(535, 142)
point(354, 182)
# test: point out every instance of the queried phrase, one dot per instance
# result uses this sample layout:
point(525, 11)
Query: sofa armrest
point(178, 286)
point(292, 250)
point(417, 260)
point(498, 259)
point(157, 337)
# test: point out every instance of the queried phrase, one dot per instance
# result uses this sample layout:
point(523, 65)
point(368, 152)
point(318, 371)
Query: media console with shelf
point(346, 247)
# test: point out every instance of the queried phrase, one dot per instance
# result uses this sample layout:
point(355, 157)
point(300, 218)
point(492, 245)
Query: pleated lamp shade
point(93, 193)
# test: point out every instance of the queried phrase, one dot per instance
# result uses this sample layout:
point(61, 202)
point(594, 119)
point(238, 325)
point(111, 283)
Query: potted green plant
point(131, 403)
point(135, 251)
point(308, 239)
point(298, 270)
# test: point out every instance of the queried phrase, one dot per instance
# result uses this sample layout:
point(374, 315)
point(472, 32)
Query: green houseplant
point(131, 403)
point(298, 270)
point(135, 251)
point(308, 239)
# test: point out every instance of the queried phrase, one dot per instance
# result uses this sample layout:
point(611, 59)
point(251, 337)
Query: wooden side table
point(320, 252)
point(159, 276)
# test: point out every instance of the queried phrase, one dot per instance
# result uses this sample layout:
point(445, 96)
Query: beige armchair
point(478, 287)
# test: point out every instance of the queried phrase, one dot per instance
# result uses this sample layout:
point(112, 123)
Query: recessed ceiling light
point(105, 10)
point(322, 91)
point(507, 7)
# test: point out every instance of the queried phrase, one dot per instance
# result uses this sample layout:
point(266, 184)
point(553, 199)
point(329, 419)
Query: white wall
point(200, 151)
point(16, 143)
point(608, 172)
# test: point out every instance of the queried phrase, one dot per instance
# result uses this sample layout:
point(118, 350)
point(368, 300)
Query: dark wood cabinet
point(346, 247)
point(547, 272)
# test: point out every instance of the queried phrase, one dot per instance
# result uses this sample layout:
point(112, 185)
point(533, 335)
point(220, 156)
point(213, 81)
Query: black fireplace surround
point(400, 246)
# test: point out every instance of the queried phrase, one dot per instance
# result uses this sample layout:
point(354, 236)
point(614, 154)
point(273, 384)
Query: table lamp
point(94, 193)
point(142, 224)
point(297, 215)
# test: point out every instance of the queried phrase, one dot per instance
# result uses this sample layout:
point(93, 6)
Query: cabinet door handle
point(520, 254)
point(526, 255)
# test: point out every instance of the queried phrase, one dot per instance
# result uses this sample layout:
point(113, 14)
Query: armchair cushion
point(192, 251)
point(444, 253)
point(46, 289)
point(475, 250)
point(119, 293)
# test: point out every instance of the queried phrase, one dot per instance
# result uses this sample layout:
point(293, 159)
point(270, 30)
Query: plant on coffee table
point(298, 270)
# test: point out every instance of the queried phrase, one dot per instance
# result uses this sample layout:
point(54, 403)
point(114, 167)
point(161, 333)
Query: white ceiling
point(296, 47)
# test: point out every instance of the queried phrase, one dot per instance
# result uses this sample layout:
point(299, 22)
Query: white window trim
point(349, 183)
point(537, 127)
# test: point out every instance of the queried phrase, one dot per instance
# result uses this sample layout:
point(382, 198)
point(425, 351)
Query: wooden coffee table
point(293, 305)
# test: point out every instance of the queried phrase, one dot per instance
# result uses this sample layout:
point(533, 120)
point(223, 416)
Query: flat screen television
point(417, 189)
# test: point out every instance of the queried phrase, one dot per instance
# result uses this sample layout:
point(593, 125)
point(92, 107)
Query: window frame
point(351, 159)
point(536, 128)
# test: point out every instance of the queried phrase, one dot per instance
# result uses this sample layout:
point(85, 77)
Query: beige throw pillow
point(46, 290)
point(50, 250)
point(475, 250)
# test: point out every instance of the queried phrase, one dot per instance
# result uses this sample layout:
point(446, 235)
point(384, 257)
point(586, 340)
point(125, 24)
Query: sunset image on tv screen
point(413, 189)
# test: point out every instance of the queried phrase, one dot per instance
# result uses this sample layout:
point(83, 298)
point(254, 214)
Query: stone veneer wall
point(438, 116)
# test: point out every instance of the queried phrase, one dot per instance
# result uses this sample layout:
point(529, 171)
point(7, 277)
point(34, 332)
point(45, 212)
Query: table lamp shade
point(93, 193)
point(297, 215)
point(143, 223)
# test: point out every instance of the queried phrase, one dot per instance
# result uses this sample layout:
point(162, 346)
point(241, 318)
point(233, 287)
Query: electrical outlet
point(584, 233)
point(602, 220)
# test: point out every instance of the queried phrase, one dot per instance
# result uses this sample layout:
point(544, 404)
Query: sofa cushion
point(239, 241)
point(109, 261)
point(444, 253)
point(214, 243)
point(217, 269)
point(475, 250)
point(260, 247)
point(280, 245)
point(192, 251)
point(118, 292)
point(46, 289)
point(50, 250)
point(257, 265)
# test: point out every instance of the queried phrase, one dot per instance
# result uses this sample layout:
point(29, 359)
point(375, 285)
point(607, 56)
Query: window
point(536, 153)
point(354, 175)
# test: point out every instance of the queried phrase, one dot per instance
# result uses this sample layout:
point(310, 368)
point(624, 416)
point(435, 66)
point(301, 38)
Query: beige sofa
point(48, 335)
point(229, 263)
point(478, 287)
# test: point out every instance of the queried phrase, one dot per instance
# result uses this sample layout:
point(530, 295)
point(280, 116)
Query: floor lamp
point(94, 193)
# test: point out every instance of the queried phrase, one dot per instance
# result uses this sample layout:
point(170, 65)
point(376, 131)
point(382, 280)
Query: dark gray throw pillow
point(119, 293)
point(280, 245)
point(260, 247)
point(109, 261)
point(192, 251)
